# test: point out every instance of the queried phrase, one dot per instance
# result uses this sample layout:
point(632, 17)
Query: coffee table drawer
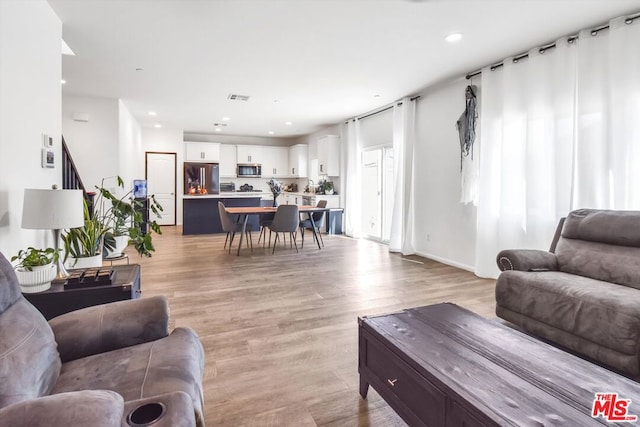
point(417, 393)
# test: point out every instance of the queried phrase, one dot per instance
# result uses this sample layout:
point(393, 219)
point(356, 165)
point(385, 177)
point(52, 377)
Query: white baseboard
point(446, 261)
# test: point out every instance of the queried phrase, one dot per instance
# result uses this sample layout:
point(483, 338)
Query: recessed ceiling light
point(63, 81)
point(376, 96)
point(153, 113)
point(271, 132)
point(275, 100)
point(225, 119)
point(157, 125)
point(288, 123)
point(218, 129)
point(139, 69)
point(453, 37)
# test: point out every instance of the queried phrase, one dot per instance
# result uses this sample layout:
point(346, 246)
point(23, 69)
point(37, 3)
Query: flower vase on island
point(276, 189)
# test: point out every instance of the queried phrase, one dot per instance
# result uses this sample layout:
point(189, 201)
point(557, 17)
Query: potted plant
point(328, 187)
point(123, 216)
point(36, 268)
point(83, 245)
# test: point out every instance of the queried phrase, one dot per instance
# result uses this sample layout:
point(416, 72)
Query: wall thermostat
point(47, 158)
point(47, 141)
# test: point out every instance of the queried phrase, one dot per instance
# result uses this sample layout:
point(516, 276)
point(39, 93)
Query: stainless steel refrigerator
point(201, 178)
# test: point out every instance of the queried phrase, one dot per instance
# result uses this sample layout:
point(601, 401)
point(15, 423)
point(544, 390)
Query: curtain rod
point(544, 48)
point(396, 103)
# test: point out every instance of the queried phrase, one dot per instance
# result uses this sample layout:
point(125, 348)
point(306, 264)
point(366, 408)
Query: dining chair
point(318, 219)
point(231, 228)
point(265, 222)
point(286, 220)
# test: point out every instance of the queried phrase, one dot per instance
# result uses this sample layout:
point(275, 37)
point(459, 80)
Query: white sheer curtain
point(352, 176)
point(402, 224)
point(608, 118)
point(559, 131)
point(526, 146)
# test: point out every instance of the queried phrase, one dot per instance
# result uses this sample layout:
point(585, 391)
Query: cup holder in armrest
point(146, 414)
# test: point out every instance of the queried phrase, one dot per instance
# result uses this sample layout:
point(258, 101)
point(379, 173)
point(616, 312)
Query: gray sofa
point(584, 294)
point(93, 367)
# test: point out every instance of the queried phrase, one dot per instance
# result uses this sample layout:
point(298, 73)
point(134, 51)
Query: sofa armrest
point(526, 260)
point(178, 410)
point(78, 408)
point(107, 327)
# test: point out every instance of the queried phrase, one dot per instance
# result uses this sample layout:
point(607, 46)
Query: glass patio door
point(377, 193)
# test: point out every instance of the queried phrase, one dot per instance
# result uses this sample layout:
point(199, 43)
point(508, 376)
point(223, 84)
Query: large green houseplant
point(86, 241)
point(123, 216)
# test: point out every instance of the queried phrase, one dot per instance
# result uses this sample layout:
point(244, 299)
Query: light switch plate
point(47, 158)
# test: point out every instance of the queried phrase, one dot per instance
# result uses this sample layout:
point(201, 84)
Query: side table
point(57, 300)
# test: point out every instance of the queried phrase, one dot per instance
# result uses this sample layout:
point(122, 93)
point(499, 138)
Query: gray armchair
point(95, 366)
point(584, 293)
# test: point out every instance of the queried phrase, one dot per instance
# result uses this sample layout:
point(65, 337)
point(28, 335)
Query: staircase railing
point(70, 176)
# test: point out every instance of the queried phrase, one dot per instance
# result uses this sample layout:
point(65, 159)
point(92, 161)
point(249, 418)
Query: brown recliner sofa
point(96, 366)
point(584, 294)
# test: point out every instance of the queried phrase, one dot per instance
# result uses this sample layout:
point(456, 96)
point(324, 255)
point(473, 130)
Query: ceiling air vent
point(235, 97)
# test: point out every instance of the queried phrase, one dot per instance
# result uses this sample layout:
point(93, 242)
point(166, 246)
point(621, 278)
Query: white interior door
point(161, 182)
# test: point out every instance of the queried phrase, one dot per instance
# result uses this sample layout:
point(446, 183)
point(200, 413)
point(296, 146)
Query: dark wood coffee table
point(60, 300)
point(442, 365)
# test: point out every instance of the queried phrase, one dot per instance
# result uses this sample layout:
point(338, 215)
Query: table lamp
point(53, 210)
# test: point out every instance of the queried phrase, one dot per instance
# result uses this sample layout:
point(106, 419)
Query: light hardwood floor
point(280, 331)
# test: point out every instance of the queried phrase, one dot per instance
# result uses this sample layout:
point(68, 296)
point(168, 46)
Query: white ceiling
point(322, 60)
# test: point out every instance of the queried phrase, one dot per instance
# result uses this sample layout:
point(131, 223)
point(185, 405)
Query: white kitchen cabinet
point(293, 199)
point(228, 161)
point(329, 156)
point(298, 159)
point(333, 201)
point(275, 162)
point(249, 154)
point(202, 152)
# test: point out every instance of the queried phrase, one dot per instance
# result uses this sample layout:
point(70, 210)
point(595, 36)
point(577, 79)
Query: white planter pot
point(37, 280)
point(121, 245)
point(84, 262)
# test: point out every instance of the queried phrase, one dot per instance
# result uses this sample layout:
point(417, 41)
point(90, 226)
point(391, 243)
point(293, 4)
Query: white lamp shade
point(52, 209)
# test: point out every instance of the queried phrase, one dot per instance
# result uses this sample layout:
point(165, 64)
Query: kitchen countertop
point(245, 194)
point(227, 195)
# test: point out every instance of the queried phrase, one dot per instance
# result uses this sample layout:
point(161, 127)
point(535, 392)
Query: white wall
point(445, 229)
point(94, 145)
point(167, 141)
point(131, 151)
point(30, 73)
point(377, 130)
point(241, 140)
point(312, 141)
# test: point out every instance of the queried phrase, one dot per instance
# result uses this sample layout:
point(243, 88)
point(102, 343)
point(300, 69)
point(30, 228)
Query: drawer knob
point(392, 382)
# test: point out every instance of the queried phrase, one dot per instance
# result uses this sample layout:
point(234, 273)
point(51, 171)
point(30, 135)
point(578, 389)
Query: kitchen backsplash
point(261, 183)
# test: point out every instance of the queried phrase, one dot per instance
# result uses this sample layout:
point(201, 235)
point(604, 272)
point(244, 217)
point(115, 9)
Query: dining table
point(244, 212)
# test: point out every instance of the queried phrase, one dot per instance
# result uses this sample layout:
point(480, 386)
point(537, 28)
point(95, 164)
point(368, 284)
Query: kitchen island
point(201, 214)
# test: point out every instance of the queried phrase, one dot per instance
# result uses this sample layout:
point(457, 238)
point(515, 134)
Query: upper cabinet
point(298, 158)
point(202, 152)
point(275, 162)
point(249, 154)
point(228, 161)
point(329, 156)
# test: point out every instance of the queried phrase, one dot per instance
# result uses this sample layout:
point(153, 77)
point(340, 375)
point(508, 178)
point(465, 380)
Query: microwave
point(249, 170)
